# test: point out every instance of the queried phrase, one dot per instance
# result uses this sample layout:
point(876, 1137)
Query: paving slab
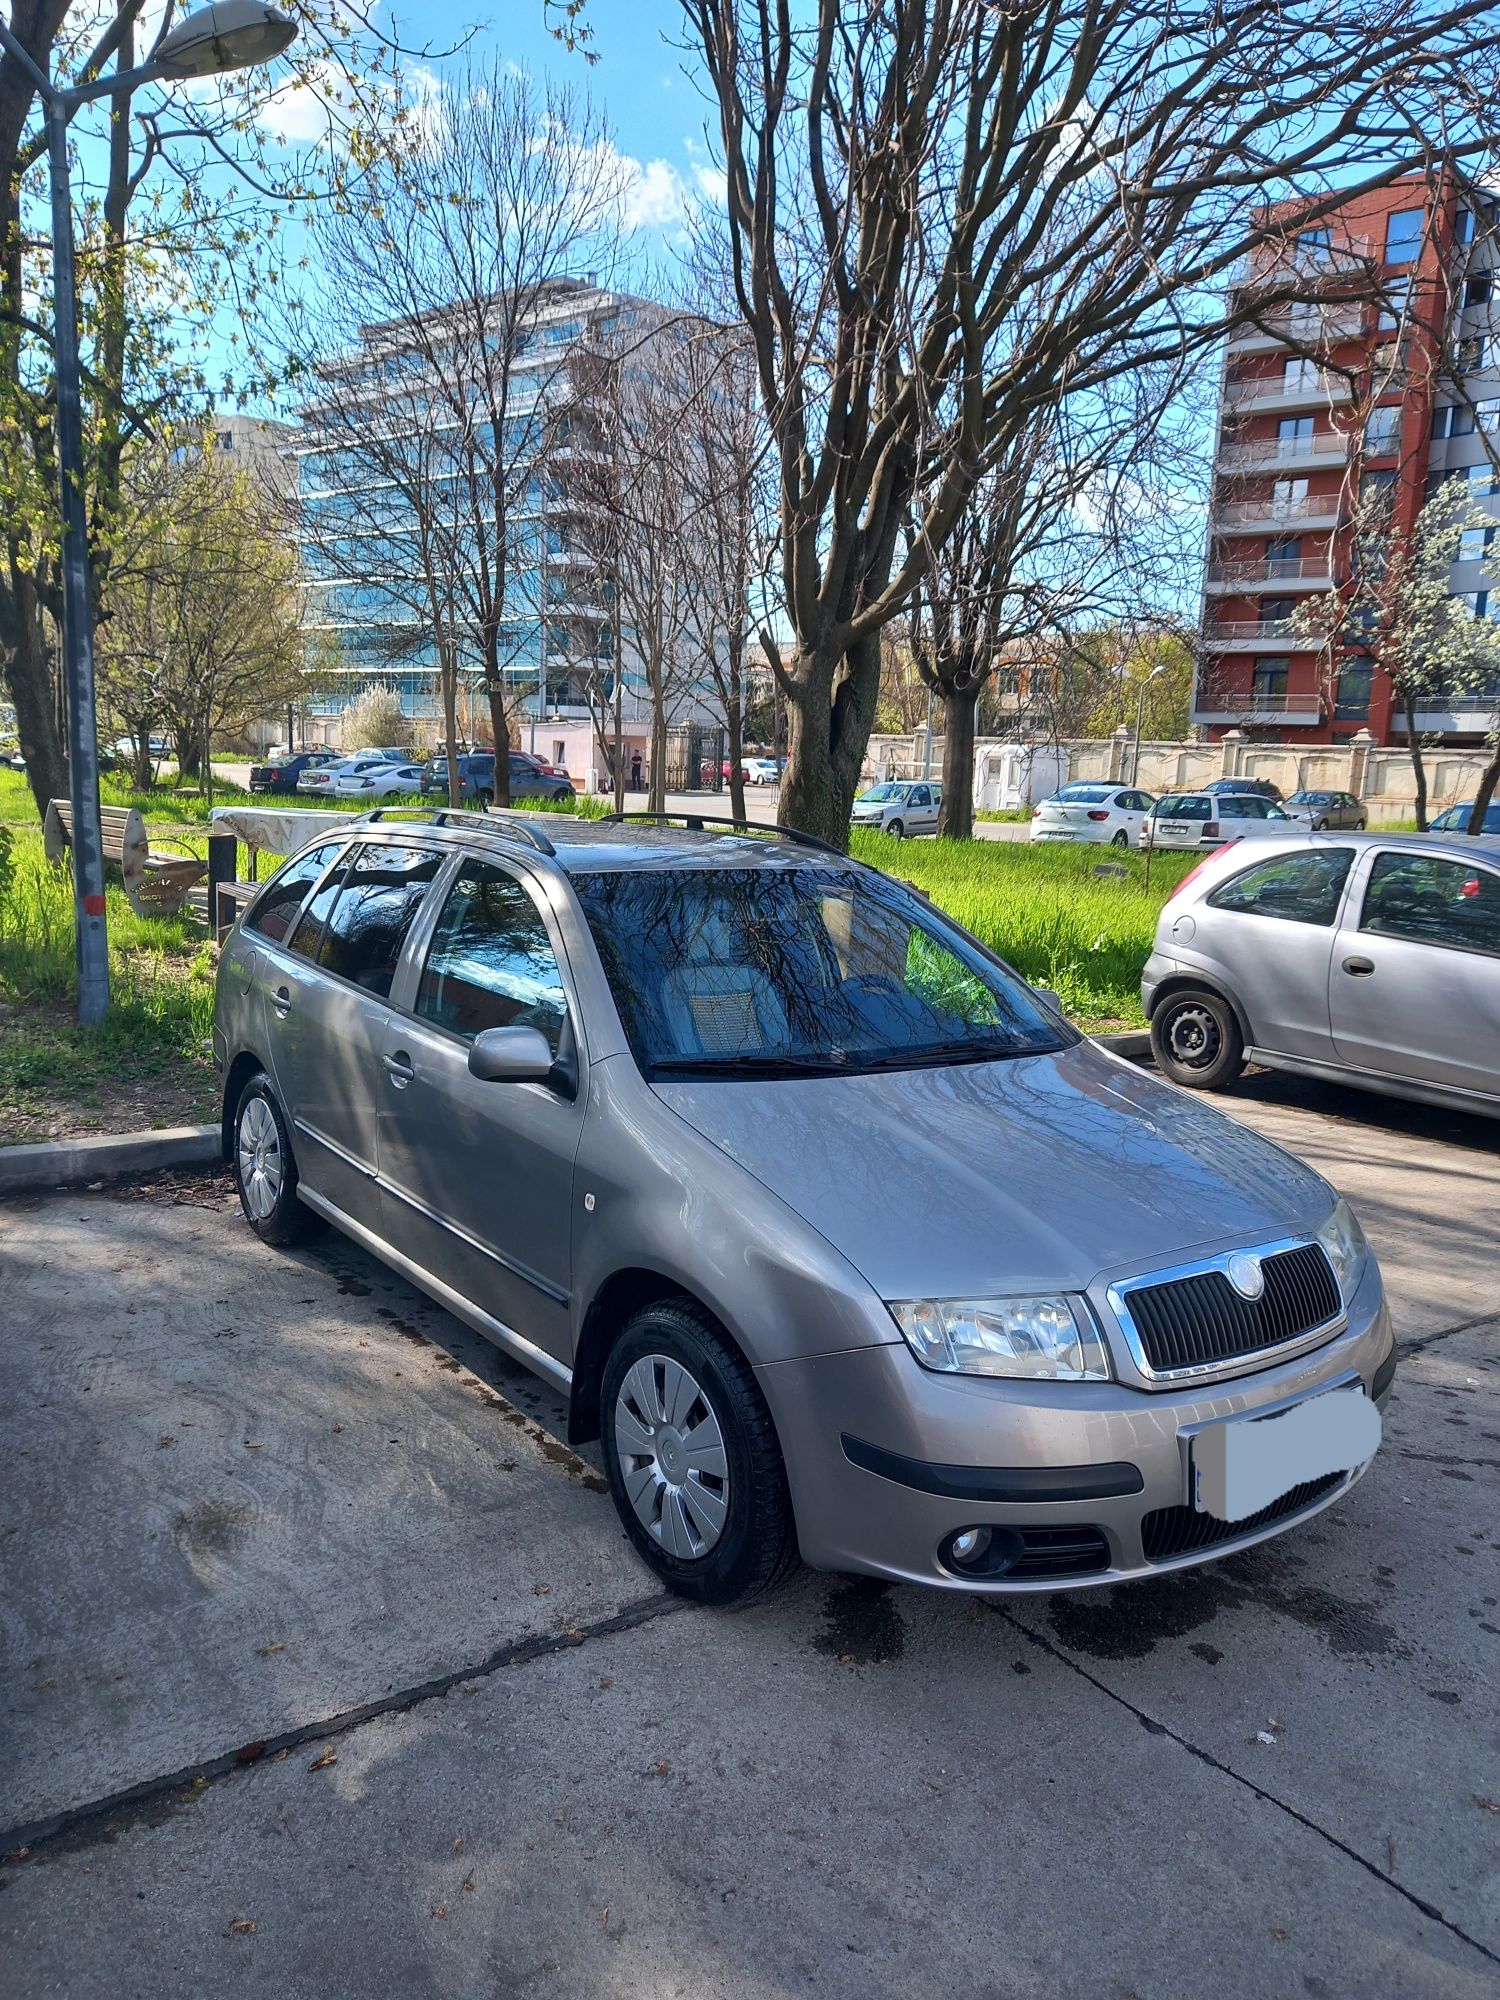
point(243, 1488)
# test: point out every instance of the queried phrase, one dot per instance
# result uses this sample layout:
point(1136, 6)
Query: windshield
point(751, 972)
point(1456, 819)
point(877, 794)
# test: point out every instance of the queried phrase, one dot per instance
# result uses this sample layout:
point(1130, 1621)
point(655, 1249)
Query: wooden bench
point(156, 885)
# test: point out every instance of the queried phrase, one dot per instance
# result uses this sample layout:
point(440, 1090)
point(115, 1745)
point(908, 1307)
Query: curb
point(1134, 1044)
point(59, 1163)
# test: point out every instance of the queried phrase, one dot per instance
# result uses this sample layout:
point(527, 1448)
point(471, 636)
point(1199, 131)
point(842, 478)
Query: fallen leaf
point(606, 1680)
point(321, 1763)
point(278, 1646)
point(253, 1447)
point(1489, 1805)
point(338, 1427)
point(604, 1914)
point(541, 1590)
point(241, 1927)
point(361, 1343)
point(162, 1444)
point(439, 1910)
point(1272, 1723)
point(468, 1884)
point(251, 1753)
point(662, 1768)
point(15, 1856)
point(1281, 1936)
point(458, 1845)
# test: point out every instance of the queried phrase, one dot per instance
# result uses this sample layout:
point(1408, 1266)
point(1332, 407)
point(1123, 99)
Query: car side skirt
point(516, 1345)
point(1445, 1097)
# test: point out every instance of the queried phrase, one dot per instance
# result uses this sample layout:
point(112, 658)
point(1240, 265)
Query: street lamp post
point(231, 34)
point(1140, 714)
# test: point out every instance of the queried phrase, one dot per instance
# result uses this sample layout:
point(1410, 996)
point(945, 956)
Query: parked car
point(1210, 819)
point(281, 773)
point(1246, 788)
point(387, 781)
point(1320, 810)
point(319, 779)
point(898, 808)
point(1111, 814)
point(1456, 818)
point(476, 770)
point(627, 1099)
point(1373, 959)
point(762, 771)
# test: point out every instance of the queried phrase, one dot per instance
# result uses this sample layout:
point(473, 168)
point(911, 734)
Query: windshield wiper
point(682, 1068)
point(929, 1053)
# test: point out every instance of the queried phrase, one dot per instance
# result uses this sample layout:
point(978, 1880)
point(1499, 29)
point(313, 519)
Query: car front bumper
point(868, 1434)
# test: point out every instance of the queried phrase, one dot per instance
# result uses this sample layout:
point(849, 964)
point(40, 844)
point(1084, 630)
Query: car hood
point(1039, 1172)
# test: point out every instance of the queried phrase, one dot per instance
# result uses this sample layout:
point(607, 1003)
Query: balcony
point(1279, 454)
point(1455, 714)
point(1299, 264)
point(1249, 635)
point(1245, 706)
point(1269, 393)
point(1316, 510)
point(1291, 572)
point(1294, 329)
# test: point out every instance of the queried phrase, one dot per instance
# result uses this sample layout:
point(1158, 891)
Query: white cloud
point(653, 195)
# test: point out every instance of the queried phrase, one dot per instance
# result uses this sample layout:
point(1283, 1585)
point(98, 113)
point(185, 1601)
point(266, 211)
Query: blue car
point(1456, 818)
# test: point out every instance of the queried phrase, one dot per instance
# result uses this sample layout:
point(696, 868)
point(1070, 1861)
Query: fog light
point(970, 1546)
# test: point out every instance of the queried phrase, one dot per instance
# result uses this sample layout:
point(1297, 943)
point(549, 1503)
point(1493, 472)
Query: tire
point(896, 829)
point(726, 1534)
point(265, 1170)
point(484, 798)
point(1196, 1040)
point(1359, 826)
point(1320, 826)
point(1121, 839)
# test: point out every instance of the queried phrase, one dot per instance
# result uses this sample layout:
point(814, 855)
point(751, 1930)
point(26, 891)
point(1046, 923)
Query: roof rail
point(495, 819)
point(696, 822)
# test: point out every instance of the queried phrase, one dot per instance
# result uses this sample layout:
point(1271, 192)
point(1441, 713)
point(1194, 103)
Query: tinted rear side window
point(1184, 808)
point(377, 901)
point(276, 912)
point(1301, 888)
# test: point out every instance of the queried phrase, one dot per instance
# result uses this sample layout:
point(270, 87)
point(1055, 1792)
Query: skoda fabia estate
point(835, 1234)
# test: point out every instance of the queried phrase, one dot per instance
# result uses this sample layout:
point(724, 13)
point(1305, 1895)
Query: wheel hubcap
point(672, 1457)
point(259, 1154)
point(1193, 1037)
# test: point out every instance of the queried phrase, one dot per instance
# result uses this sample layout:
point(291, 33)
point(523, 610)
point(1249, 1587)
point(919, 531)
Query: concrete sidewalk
point(277, 1505)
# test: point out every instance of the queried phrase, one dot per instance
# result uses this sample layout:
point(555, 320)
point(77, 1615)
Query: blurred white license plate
point(1244, 1464)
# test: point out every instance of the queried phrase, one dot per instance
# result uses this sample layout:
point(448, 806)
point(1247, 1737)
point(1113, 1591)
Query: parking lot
point(327, 1669)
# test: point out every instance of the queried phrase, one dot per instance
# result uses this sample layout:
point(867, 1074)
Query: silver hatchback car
point(1370, 959)
point(835, 1234)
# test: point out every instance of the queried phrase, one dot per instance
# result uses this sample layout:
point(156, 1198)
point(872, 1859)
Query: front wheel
point(693, 1460)
point(265, 1171)
point(897, 829)
point(1196, 1040)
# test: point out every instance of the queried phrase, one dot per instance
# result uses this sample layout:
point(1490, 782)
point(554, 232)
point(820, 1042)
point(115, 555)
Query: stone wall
point(1381, 777)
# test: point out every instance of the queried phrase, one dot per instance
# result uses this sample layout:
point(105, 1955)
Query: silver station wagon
point(836, 1235)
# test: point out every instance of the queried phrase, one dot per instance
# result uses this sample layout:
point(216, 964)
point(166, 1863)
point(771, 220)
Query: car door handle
point(399, 1068)
point(282, 1002)
point(1359, 968)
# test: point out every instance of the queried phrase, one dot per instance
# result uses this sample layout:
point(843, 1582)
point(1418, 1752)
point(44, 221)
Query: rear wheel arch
point(245, 1065)
point(1199, 982)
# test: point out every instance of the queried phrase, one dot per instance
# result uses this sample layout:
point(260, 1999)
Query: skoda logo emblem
point(1245, 1274)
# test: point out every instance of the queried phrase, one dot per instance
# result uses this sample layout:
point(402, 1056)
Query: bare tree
point(457, 281)
point(946, 216)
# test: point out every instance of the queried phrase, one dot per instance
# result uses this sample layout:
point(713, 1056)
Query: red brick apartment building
point(1385, 374)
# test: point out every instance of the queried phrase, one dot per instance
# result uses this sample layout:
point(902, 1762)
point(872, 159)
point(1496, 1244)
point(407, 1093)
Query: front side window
point(491, 962)
point(738, 972)
point(1298, 888)
point(371, 907)
point(276, 910)
point(1432, 901)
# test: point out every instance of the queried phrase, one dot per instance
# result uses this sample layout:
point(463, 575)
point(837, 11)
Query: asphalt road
point(327, 1671)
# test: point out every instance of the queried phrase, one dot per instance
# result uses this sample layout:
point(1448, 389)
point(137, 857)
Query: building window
point(1299, 374)
point(1393, 299)
point(1377, 486)
point(1282, 557)
point(224, 440)
point(1268, 681)
point(1474, 543)
point(1463, 226)
point(1288, 493)
point(1477, 290)
point(1313, 242)
point(1383, 429)
point(1478, 602)
point(1274, 609)
point(1403, 236)
point(1351, 701)
point(1291, 430)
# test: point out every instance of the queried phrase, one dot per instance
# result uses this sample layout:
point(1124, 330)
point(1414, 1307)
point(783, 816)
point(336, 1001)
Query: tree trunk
point(956, 813)
point(734, 737)
point(1414, 748)
point(829, 716)
point(656, 775)
point(1488, 779)
point(187, 744)
point(29, 682)
point(500, 728)
point(207, 773)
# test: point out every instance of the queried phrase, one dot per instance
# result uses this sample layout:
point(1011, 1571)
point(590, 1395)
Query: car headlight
point(1043, 1339)
point(1348, 1251)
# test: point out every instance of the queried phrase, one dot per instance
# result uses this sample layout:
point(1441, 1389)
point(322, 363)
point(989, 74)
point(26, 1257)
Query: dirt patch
point(51, 1087)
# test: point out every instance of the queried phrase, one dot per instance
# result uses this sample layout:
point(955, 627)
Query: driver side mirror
point(1052, 999)
point(510, 1055)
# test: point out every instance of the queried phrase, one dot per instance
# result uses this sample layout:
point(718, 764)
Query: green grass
point(149, 1057)
point(1045, 909)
